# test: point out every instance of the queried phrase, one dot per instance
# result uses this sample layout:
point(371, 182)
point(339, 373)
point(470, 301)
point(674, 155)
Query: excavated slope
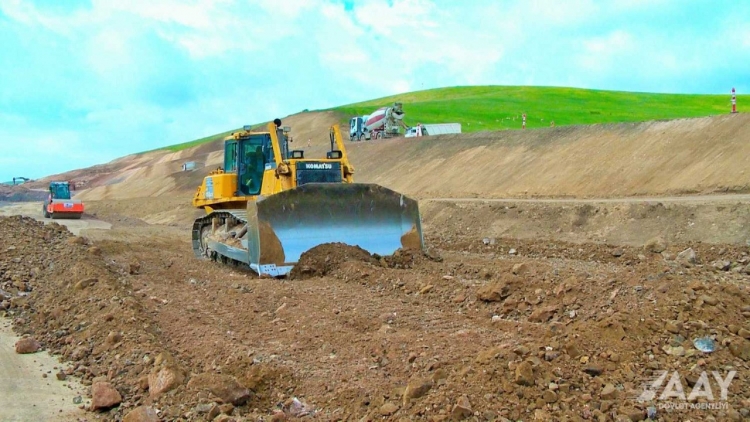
point(653, 158)
point(613, 160)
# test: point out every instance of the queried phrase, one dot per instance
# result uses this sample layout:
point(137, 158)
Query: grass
point(186, 145)
point(486, 108)
point(480, 108)
point(189, 144)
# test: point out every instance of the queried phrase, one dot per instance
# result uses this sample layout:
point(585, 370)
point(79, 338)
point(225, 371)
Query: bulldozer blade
point(287, 224)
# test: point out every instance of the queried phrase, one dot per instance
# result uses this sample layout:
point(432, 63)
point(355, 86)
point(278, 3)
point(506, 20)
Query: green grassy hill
point(193, 143)
point(483, 108)
point(480, 108)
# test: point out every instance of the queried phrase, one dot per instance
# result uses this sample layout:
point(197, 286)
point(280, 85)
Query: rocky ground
point(480, 327)
point(21, 193)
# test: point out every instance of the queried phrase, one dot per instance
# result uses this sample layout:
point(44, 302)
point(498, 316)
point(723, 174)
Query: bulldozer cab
point(249, 157)
point(59, 190)
point(251, 166)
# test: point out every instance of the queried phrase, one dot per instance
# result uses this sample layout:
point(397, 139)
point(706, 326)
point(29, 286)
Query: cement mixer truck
point(382, 123)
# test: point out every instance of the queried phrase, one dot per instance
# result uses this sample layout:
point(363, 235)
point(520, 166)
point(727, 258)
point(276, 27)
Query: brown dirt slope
point(614, 160)
point(159, 173)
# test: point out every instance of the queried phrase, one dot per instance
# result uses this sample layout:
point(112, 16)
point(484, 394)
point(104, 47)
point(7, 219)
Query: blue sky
point(84, 82)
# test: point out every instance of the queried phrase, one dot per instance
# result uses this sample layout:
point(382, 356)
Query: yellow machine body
point(268, 204)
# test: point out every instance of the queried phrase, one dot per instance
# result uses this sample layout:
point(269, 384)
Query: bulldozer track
point(200, 246)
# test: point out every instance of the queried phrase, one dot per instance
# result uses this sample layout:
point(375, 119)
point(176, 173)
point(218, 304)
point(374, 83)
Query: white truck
point(382, 123)
point(433, 129)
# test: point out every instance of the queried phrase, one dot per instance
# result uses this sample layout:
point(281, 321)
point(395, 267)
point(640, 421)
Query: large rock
point(164, 379)
point(593, 369)
point(225, 387)
point(656, 245)
point(416, 388)
point(462, 409)
point(543, 314)
point(609, 392)
point(104, 396)
point(740, 349)
point(141, 414)
point(388, 409)
point(524, 374)
point(495, 291)
point(27, 345)
point(520, 269)
point(83, 284)
point(687, 257)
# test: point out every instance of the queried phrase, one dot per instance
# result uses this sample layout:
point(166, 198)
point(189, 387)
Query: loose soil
point(522, 328)
point(516, 311)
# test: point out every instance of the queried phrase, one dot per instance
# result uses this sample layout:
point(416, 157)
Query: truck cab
point(357, 128)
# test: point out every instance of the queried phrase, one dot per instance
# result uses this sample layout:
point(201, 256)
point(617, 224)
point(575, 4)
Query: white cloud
point(604, 53)
point(565, 13)
point(611, 44)
point(393, 18)
point(636, 5)
point(170, 71)
point(742, 37)
point(201, 15)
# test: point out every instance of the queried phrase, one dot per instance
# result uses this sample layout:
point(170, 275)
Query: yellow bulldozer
point(269, 204)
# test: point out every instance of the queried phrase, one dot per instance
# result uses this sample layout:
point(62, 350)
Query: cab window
point(230, 157)
point(252, 164)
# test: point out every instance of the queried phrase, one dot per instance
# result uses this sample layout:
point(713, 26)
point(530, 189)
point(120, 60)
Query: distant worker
point(308, 142)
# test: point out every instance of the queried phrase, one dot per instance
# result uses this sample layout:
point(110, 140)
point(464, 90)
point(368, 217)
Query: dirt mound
point(335, 259)
point(408, 258)
point(21, 194)
point(77, 304)
point(328, 257)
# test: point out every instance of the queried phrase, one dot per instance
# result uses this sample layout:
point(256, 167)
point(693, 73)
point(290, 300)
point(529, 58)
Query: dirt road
point(25, 395)
point(33, 210)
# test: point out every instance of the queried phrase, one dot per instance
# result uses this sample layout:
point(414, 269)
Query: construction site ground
point(519, 309)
